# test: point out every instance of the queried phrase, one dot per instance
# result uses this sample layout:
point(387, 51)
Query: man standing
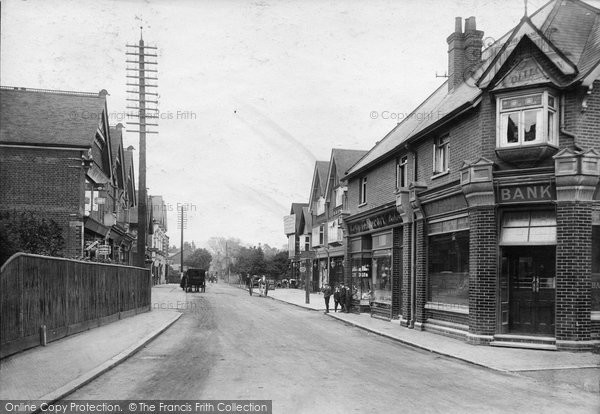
point(327, 295)
point(249, 280)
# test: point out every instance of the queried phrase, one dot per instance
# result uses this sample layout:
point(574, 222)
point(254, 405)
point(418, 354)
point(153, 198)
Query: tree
point(30, 233)
point(200, 258)
point(277, 266)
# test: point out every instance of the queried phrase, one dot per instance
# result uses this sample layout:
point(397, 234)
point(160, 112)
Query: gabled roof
point(566, 31)
point(296, 209)
point(319, 180)
point(341, 160)
point(50, 118)
point(130, 176)
point(118, 155)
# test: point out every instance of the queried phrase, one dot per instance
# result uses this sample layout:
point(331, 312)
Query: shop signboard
point(379, 221)
point(525, 193)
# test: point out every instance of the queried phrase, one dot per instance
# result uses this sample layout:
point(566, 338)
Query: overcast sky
point(268, 87)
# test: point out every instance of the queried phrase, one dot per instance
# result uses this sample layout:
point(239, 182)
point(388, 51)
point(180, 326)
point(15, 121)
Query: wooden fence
point(43, 299)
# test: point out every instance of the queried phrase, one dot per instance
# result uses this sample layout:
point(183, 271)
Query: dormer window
point(525, 120)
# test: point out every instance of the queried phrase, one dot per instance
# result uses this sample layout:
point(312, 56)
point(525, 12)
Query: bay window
point(527, 120)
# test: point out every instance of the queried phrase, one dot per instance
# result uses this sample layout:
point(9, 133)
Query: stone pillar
point(577, 176)
point(477, 185)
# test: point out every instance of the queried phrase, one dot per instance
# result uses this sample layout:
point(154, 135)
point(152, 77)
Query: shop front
point(376, 264)
point(528, 272)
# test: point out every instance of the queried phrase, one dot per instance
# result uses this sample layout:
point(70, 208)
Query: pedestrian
point(348, 298)
point(337, 297)
point(327, 292)
point(249, 284)
point(266, 287)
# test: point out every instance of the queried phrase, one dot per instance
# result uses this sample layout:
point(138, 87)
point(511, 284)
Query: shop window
point(440, 155)
point(362, 191)
point(449, 268)
point(401, 172)
point(596, 268)
point(382, 278)
point(527, 120)
point(362, 289)
point(536, 227)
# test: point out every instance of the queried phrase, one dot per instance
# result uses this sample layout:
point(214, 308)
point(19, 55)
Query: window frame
point(362, 190)
point(441, 154)
point(402, 172)
point(547, 117)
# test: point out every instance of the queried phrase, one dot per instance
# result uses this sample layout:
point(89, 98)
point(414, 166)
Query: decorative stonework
point(577, 174)
point(476, 179)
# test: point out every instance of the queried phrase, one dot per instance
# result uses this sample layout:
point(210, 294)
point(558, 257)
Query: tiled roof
point(572, 26)
point(297, 210)
point(436, 107)
point(344, 159)
point(116, 136)
point(52, 118)
point(322, 167)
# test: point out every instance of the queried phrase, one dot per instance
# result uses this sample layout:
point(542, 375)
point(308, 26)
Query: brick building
point(294, 224)
point(59, 161)
point(478, 216)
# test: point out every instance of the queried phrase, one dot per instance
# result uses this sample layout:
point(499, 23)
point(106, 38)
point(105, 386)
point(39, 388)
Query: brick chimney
point(464, 51)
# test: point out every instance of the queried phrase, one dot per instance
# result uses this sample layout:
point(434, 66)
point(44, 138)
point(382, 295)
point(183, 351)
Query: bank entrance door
point(528, 287)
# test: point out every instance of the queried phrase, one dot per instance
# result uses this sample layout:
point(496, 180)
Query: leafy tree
point(30, 233)
point(200, 258)
point(277, 266)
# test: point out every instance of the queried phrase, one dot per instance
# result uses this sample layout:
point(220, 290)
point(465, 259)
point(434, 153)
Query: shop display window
point(382, 278)
point(449, 268)
point(362, 288)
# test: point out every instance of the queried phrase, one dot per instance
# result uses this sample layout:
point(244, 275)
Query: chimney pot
point(470, 24)
point(458, 25)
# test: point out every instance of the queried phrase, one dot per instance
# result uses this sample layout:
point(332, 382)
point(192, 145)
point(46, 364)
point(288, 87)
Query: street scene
point(300, 207)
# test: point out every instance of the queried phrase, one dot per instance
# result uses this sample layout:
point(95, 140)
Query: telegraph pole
point(139, 59)
point(181, 224)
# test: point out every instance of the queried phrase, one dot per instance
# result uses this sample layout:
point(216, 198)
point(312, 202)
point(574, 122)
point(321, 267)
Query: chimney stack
point(464, 51)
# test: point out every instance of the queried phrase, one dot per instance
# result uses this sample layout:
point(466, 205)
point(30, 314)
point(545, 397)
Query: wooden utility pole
point(139, 62)
point(181, 224)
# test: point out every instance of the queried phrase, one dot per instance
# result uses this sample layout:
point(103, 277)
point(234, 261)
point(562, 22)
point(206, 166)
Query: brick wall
point(406, 271)
point(588, 123)
point(48, 183)
point(397, 275)
point(483, 248)
point(381, 187)
point(573, 270)
point(421, 271)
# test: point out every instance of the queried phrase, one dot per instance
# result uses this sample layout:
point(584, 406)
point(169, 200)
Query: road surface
point(229, 345)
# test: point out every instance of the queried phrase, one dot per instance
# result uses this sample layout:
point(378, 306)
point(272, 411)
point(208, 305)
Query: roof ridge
point(54, 91)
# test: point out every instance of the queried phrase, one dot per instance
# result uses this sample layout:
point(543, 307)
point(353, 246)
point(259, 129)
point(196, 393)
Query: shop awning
point(537, 227)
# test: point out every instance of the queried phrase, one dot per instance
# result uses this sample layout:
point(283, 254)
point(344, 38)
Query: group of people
point(263, 285)
point(342, 297)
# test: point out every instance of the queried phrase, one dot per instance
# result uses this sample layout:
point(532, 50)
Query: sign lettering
point(383, 220)
point(521, 193)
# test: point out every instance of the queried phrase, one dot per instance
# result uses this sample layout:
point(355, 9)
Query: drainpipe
point(413, 274)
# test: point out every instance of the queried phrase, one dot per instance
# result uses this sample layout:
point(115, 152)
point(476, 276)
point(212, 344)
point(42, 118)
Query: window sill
point(448, 307)
point(440, 174)
point(362, 204)
point(596, 315)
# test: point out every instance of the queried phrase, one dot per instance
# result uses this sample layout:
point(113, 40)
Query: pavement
point(49, 373)
point(577, 369)
point(52, 372)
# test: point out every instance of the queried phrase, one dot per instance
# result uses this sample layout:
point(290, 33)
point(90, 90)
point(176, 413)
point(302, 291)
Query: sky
point(251, 93)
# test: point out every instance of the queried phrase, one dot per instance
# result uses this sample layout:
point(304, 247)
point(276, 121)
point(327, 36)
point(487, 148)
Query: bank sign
point(526, 193)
